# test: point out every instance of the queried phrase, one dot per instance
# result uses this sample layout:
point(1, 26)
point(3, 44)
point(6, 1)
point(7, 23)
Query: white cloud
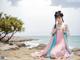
point(66, 3)
point(38, 16)
point(14, 2)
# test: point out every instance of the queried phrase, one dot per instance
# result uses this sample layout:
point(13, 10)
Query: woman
point(57, 46)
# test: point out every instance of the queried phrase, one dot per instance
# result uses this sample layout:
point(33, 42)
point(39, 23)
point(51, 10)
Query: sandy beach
point(23, 53)
point(18, 50)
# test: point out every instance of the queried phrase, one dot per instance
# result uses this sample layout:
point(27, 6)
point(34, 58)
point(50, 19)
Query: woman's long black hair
point(57, 14)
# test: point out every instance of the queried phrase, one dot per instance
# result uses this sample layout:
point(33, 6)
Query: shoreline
point(24, 53)
point(21, 50)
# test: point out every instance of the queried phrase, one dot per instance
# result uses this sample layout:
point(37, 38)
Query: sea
point(73, 41)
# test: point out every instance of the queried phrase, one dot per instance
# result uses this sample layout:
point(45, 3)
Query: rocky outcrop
point(3, 58)
point(8, 47)
point(76, 51)
point(41, 46)
point(20, 44)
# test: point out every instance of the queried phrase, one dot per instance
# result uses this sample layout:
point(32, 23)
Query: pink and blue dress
point(57, 46)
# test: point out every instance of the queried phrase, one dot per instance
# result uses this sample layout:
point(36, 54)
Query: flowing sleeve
point(66, 33)
point(66, 30)
point(66, 37)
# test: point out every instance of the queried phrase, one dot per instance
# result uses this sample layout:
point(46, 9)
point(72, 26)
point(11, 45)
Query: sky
point(38, 15)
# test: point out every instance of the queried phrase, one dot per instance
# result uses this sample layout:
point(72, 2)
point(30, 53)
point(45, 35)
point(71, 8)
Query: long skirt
point(57, 46)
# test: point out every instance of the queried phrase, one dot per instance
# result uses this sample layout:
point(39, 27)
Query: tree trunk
point(3, 37)
point(10, 37)
point(1, 34)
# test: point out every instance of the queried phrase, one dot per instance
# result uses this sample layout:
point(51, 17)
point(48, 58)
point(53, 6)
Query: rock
point(77, 53)
point(75, 49)
point(20, 39)
point(41, 46)
point(20, 44)
point(8, 47)
point(3, 58)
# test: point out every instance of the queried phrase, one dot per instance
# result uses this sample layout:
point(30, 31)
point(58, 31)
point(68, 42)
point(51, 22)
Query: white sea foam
point(31, 44)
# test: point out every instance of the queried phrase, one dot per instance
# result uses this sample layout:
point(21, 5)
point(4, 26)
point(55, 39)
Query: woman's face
point(59, 20)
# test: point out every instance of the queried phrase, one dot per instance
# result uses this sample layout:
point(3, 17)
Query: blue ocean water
point(73, 41)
